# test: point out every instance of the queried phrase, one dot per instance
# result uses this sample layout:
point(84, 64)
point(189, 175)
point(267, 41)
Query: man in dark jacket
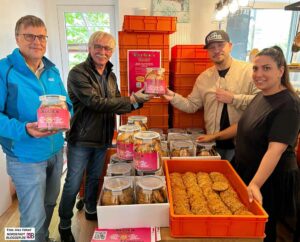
point(93, 89)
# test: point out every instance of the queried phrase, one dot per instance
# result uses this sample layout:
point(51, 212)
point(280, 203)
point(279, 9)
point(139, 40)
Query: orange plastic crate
point(143, 39)
point(154, 121)
point(152, 108)
point(187, 120)
point(189, 52)
point(183, 90)
point(185, 66)
point(149, 24)
point(239, 226)
point(182, 80)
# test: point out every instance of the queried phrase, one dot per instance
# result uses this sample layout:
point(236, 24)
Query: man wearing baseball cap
point(223, 90)
point(216, 36)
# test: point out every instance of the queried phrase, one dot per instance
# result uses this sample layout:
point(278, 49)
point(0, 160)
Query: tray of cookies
point(209, 199)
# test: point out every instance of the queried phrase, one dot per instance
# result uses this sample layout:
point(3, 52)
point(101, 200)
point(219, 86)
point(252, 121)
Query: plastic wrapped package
point(179, 136)
point(195, 131)
point(176, 130)
point(159, 172)
point(205, 149)
point(182, 148)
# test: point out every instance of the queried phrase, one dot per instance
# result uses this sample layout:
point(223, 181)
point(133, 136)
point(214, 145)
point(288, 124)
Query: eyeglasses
point(101, 47)
point(32, 37)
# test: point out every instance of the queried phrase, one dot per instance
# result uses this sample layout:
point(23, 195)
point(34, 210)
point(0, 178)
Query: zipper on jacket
point(41, 83)
point(52, 143)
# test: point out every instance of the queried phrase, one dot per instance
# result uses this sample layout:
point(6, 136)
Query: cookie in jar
point(125, 141)
point(53, 113)
point(139, 120)
point(117, 191)
point(151, 189)
point(147, 151)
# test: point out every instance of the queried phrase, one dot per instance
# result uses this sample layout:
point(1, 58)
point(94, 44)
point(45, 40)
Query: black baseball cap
point(216, 36)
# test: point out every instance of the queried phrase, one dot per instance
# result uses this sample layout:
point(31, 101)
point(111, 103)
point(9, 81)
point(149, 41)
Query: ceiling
point(294, 6)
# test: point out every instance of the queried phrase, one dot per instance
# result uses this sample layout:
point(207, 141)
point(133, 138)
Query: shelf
point(294, 67)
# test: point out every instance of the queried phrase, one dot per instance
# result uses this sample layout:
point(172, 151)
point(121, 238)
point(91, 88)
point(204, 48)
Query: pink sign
point(124, 150)
point(138, 61)
point(148, 161)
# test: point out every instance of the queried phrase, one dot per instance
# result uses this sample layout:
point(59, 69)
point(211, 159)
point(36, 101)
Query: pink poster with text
point(138, 61)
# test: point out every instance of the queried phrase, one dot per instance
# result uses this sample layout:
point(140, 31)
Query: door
point(76, 24)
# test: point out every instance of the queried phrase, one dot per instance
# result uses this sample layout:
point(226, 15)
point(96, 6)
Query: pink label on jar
point(155, 86)
point(125, 150)
point(53, 118)
point(146, 161)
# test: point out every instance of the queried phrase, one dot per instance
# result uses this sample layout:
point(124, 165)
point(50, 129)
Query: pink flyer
point(125, 235)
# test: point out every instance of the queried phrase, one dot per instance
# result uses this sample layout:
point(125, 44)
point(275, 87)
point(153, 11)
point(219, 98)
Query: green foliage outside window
point(79, 27)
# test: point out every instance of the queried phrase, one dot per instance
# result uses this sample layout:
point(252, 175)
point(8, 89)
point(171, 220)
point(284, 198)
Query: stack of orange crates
point(146, 33)
point(187, 62)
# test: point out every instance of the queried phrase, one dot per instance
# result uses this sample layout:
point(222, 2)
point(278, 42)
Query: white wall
point(200, 25)
point(10, 12)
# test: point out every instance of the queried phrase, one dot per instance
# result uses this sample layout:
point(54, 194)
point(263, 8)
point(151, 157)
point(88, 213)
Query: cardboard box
point(133, 215)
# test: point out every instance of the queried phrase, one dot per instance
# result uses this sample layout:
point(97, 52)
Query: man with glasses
point(34, 157)
point(93, 89)
point(224, 91)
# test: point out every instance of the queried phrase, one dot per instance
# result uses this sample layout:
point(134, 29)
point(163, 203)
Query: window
point(260, 28)
point(76, 24)
point(79, 26)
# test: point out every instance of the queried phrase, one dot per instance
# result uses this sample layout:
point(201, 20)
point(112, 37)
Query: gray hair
point(98, 35)
point(29, 20)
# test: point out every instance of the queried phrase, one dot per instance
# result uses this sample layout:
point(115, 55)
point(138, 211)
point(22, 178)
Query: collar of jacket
point(108, 66)
point(18, 61)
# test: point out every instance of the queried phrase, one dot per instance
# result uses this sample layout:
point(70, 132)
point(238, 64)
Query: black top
point(274, 118)
point(224, 121)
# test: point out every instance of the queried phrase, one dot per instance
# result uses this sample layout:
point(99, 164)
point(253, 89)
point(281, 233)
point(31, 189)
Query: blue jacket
point(19, 100)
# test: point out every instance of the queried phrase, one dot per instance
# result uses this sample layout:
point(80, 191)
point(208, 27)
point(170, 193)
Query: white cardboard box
point(133, 215)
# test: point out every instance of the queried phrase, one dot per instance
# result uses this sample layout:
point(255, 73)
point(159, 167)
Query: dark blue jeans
point(79, 160)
